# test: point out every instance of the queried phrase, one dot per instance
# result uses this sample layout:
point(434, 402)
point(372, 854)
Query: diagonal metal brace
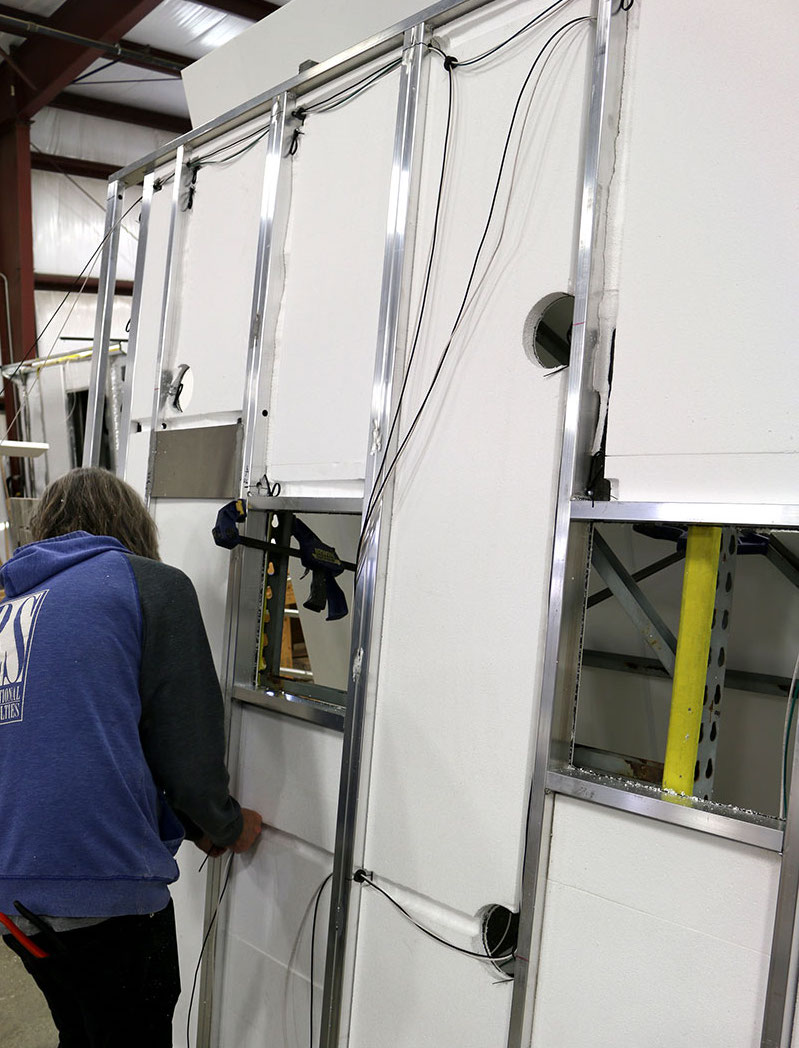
point(638, 607)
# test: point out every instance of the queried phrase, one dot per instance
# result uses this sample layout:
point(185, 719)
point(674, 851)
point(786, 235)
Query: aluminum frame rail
point(571, 552)
point(370, 584)
point(102, 325)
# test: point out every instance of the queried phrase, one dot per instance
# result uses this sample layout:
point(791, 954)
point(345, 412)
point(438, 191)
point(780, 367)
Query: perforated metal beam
point(51, 64)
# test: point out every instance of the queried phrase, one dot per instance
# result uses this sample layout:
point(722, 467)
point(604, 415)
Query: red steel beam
point(53, 64)
point(141, 55)
point(16, 263)
point(57, 282)
point(178, 125)
point(255, 10)
point(72, 165)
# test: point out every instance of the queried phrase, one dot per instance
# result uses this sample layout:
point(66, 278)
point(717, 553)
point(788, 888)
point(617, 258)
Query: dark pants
point(117, 984)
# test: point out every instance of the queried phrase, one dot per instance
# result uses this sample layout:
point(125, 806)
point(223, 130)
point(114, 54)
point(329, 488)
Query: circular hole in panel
point(733, 544)
point(500, 933)
point(717, 695)
point(547, 331)
point(728, 583)
point(722, 658)
point(713, 732)
point(725, 619)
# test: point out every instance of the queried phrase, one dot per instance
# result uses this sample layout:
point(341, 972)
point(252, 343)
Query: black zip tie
point(450, 61)
point(295, 142)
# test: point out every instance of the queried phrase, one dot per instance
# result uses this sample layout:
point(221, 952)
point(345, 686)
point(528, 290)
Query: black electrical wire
point(319, 891)
point(73, 288)
point(202, 948)
point(378, 489)
point(362, 878)
point(533, 21)
point(349, 92)
point(205, 161)
point(425, 290)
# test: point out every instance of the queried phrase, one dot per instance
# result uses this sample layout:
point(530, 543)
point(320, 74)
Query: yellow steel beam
point(690, 669)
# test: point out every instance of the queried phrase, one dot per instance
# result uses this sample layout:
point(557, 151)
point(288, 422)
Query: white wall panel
point(471, 530)
point(152, 296)
point(321, 397)
point(184, 534)
point(704, 393)
point(414, 993)
point(288, 770)
point(652, 934)
point(267, 952)
point(214, 279)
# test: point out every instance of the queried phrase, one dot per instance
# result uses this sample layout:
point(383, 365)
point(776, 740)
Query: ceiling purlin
point(53, 64)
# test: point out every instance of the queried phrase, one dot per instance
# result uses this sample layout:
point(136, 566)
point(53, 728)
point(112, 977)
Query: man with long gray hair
point(111, 752)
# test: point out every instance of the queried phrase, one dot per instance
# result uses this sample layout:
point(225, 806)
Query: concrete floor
point(24, 1016)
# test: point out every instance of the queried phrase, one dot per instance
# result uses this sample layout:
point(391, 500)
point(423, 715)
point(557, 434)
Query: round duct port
point(499, 928)
point(547, 331)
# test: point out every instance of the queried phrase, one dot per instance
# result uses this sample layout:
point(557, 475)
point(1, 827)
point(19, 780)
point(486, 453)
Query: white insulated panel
point(151, 291)
point(327, 332)
point(184, 535)
point(188, 895)
point(216, 268)
point(267, 952)
point(411, 992)
point(652, 934)
point(469, 554)
point(288, 770)
point(704, 393)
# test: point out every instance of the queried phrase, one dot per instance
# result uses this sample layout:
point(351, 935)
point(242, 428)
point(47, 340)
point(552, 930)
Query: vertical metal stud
point(717, 666)
point(571, 545)
point(247, 568)
point(167, 312)
point(135, 315)
point(102, 326)
point(370, 582)
point(267, 292)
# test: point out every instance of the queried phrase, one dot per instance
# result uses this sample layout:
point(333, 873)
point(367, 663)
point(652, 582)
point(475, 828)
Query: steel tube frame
point(370, 584)
point(635, 603)
point(736, 514)
point(690, 812)
point(267, 289)
point(570, 547)
point(167, 314)
point(135, 315)
point(783, 974)
point(102, 326)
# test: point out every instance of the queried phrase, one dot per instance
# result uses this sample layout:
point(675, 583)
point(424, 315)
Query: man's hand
point(250, 831)
point(205, 844)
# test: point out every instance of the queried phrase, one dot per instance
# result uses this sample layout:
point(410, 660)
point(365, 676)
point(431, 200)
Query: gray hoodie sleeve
point(182, 722)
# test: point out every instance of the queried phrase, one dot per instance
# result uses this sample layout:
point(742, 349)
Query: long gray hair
point(94, 500)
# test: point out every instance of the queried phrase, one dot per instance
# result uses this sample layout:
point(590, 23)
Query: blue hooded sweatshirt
point(85, 831)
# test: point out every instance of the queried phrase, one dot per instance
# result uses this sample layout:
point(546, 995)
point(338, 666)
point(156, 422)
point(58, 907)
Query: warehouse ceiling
point(156, 41)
